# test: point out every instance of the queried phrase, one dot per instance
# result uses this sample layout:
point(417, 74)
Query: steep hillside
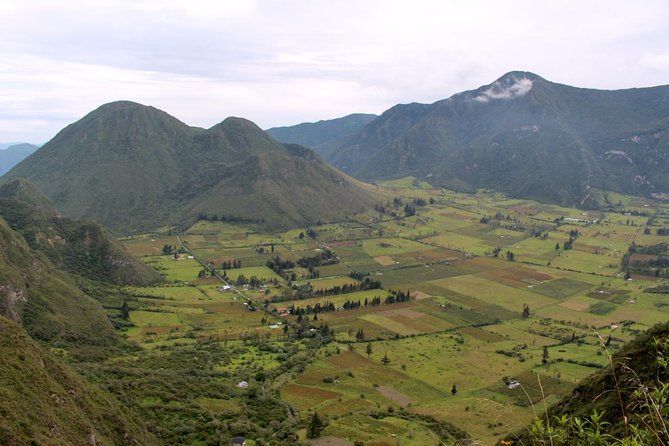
point(134, 167)
point(619, 394)
point(85, 249)
point(324, 137)
point(44, 402)
point(525, 136)
point(12, 155)
point(44, 299)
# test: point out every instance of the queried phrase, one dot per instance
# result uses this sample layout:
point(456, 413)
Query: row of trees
point(364, 285)
point(233, 264)
point(278, 265)
point(394, 297)
point(228, 218)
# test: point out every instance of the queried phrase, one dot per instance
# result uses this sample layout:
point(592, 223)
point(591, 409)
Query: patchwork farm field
point(401, 326)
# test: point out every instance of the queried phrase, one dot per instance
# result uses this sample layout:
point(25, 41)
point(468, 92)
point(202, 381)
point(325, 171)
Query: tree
point(526, 311)
point(125, 311)
point(544, 356)
point(385, 359)
point(454, 390)
point(557, 246)
point(316, 426)
point(369, 349)
point(510, 256)
point(360, 335)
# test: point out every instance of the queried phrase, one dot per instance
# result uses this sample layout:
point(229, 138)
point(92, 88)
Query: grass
point(464, 328)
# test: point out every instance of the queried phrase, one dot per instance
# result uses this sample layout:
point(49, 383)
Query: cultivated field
point(409, 328)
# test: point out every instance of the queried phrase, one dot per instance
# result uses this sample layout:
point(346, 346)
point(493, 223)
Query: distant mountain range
point(134, 167)
point(5, 145)
point(13, 154)
point(522, 135)
point(323, 137)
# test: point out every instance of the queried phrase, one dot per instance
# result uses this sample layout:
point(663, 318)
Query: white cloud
point(518, 87)
point(281, 62)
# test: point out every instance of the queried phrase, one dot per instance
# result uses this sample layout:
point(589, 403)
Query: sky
point(286, 62)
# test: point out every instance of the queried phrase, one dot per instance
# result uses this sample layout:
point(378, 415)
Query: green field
point(384, 373)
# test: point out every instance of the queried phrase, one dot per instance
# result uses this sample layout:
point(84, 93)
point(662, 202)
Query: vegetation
point(390, 327)
point(323, 137)
point(133, 167)
point(585, 139)
point(623, 404)
point(43, 401)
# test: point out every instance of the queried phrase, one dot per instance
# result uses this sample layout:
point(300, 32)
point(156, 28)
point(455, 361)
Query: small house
point(513, 384)
point(243, 385)
point(239, 441)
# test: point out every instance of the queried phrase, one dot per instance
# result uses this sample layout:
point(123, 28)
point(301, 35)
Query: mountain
point(324, 137)
point(49, 264)
point(5, 145)
point(12, 155)
point(53, 270)
point(134, 167)
point(85, 249)
point(525, 136)
point(43, 401)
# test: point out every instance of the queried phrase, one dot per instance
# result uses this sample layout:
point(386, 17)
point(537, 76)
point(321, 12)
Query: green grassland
point(464, 325)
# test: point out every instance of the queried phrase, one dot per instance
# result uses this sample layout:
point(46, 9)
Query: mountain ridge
point(525, 136)
point(14, 154)
point(134, 167)
point(322, 136)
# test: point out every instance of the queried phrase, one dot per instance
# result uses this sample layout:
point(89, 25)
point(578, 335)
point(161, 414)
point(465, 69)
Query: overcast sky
point(285, 62)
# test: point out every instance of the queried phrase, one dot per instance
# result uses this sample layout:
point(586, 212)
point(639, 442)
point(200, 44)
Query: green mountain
point(525, 136)
point(133, 167)
point(82, 248)
point(43, 401)
point(52, 272)
point(50, 265)
point(12, 155)
point(324, 137)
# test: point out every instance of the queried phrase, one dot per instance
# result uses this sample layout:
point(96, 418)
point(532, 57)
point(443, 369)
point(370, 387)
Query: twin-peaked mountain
point(525, 136)
point(135, 167)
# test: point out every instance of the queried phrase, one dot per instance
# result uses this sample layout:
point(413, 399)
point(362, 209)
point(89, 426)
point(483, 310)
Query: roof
point(238, 440)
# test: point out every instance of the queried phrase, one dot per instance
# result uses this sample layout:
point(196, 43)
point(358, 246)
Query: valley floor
point(501, 322)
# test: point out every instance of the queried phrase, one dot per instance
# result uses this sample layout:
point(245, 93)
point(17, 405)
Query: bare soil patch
point(384, 260)
point(394, 395)
point(330, 441)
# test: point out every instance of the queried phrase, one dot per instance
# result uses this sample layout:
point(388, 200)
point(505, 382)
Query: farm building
point(239, 441)
point(242, 385)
